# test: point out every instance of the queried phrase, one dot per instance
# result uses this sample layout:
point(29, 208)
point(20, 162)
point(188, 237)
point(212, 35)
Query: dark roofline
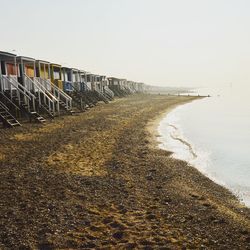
point(42, 61)
point(25, 58)
point(65, 67)
point(56, 65)
point(7, 54)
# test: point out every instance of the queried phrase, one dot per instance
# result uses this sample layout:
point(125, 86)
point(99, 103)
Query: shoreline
point(154, 130)
point(106, 186)
point(152, 126)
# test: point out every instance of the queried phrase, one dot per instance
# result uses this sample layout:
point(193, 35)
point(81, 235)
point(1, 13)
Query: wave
point(191, 150)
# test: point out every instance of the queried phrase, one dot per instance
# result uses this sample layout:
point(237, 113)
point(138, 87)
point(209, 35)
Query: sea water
point(213, 134)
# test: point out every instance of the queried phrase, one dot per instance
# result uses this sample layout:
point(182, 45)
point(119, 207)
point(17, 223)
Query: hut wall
point(29, 70)
point(44, 74)
point(11, 69)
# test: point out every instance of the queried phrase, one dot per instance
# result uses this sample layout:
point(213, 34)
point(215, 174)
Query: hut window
point(56, 75)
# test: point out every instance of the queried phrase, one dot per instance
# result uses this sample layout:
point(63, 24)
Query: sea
point(213, 135)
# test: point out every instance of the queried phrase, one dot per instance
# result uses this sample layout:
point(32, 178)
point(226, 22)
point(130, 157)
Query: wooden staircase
point(7, 118)
point(64, 100)
point(21, 97)
point(117, 91)
point(37, 117)
point(90, 95)
point(65, 108)
point(100, 96)
point(109, 94)
point(46, 109)
point(127, 91)
point(78, 98)
point(32, 113)
point(44, 98)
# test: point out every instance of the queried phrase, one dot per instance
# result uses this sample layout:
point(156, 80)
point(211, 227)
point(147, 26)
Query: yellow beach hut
point(56, 75)
point(43, 69)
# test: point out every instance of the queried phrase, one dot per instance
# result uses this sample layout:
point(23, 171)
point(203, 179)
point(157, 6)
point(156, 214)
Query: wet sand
point(98, 181)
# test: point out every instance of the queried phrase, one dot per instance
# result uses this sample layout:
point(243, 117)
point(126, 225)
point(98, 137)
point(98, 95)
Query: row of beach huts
point(35, 90)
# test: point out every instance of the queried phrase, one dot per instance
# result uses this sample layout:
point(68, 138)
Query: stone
point(118, 235)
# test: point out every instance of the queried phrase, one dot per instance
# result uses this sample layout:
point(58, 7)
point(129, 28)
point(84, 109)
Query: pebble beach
point(97, 180)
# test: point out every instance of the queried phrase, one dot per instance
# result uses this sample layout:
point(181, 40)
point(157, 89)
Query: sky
point(158, 42)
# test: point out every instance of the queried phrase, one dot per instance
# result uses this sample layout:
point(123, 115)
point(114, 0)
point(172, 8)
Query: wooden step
point(15, 124)
point(41, 119)
point(7, 118)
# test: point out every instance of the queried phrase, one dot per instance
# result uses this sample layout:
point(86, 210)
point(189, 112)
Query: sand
point(98, 181)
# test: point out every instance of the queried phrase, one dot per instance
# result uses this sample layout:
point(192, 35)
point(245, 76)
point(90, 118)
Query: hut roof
point(6, 56)
point(42, 61)
point(56, 65)
point(65, 67)
point(25, 58)
point(3, 53)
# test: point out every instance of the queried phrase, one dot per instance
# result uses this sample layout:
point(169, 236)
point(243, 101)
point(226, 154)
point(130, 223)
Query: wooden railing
point(17, 92)
point(44, 97)
point(57, 92)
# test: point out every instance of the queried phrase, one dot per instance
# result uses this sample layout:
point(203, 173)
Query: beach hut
point(93, 81)
point(27, 69)
point(43, 78)
point(113, 85)
point(43, 74)
point(56, 81)
point(93, 84)
point(76, 79)
point(19, 87)
point(30, 71)
point(33, 76)
point(98, 87)
point(67, 79)
point(56, 75)
point(89, 80)
point(71, 78)
point(124, 87)
point(50, 75)
point(129, 87)
point(9, 110)
point(8, 71)
point(83, 80)
point(42, 69)
point(106, 91)
point(8, 64)
point(117, 85)
point(86, 90)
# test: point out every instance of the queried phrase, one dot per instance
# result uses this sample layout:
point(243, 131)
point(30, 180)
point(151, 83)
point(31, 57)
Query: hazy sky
point(159, 42)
